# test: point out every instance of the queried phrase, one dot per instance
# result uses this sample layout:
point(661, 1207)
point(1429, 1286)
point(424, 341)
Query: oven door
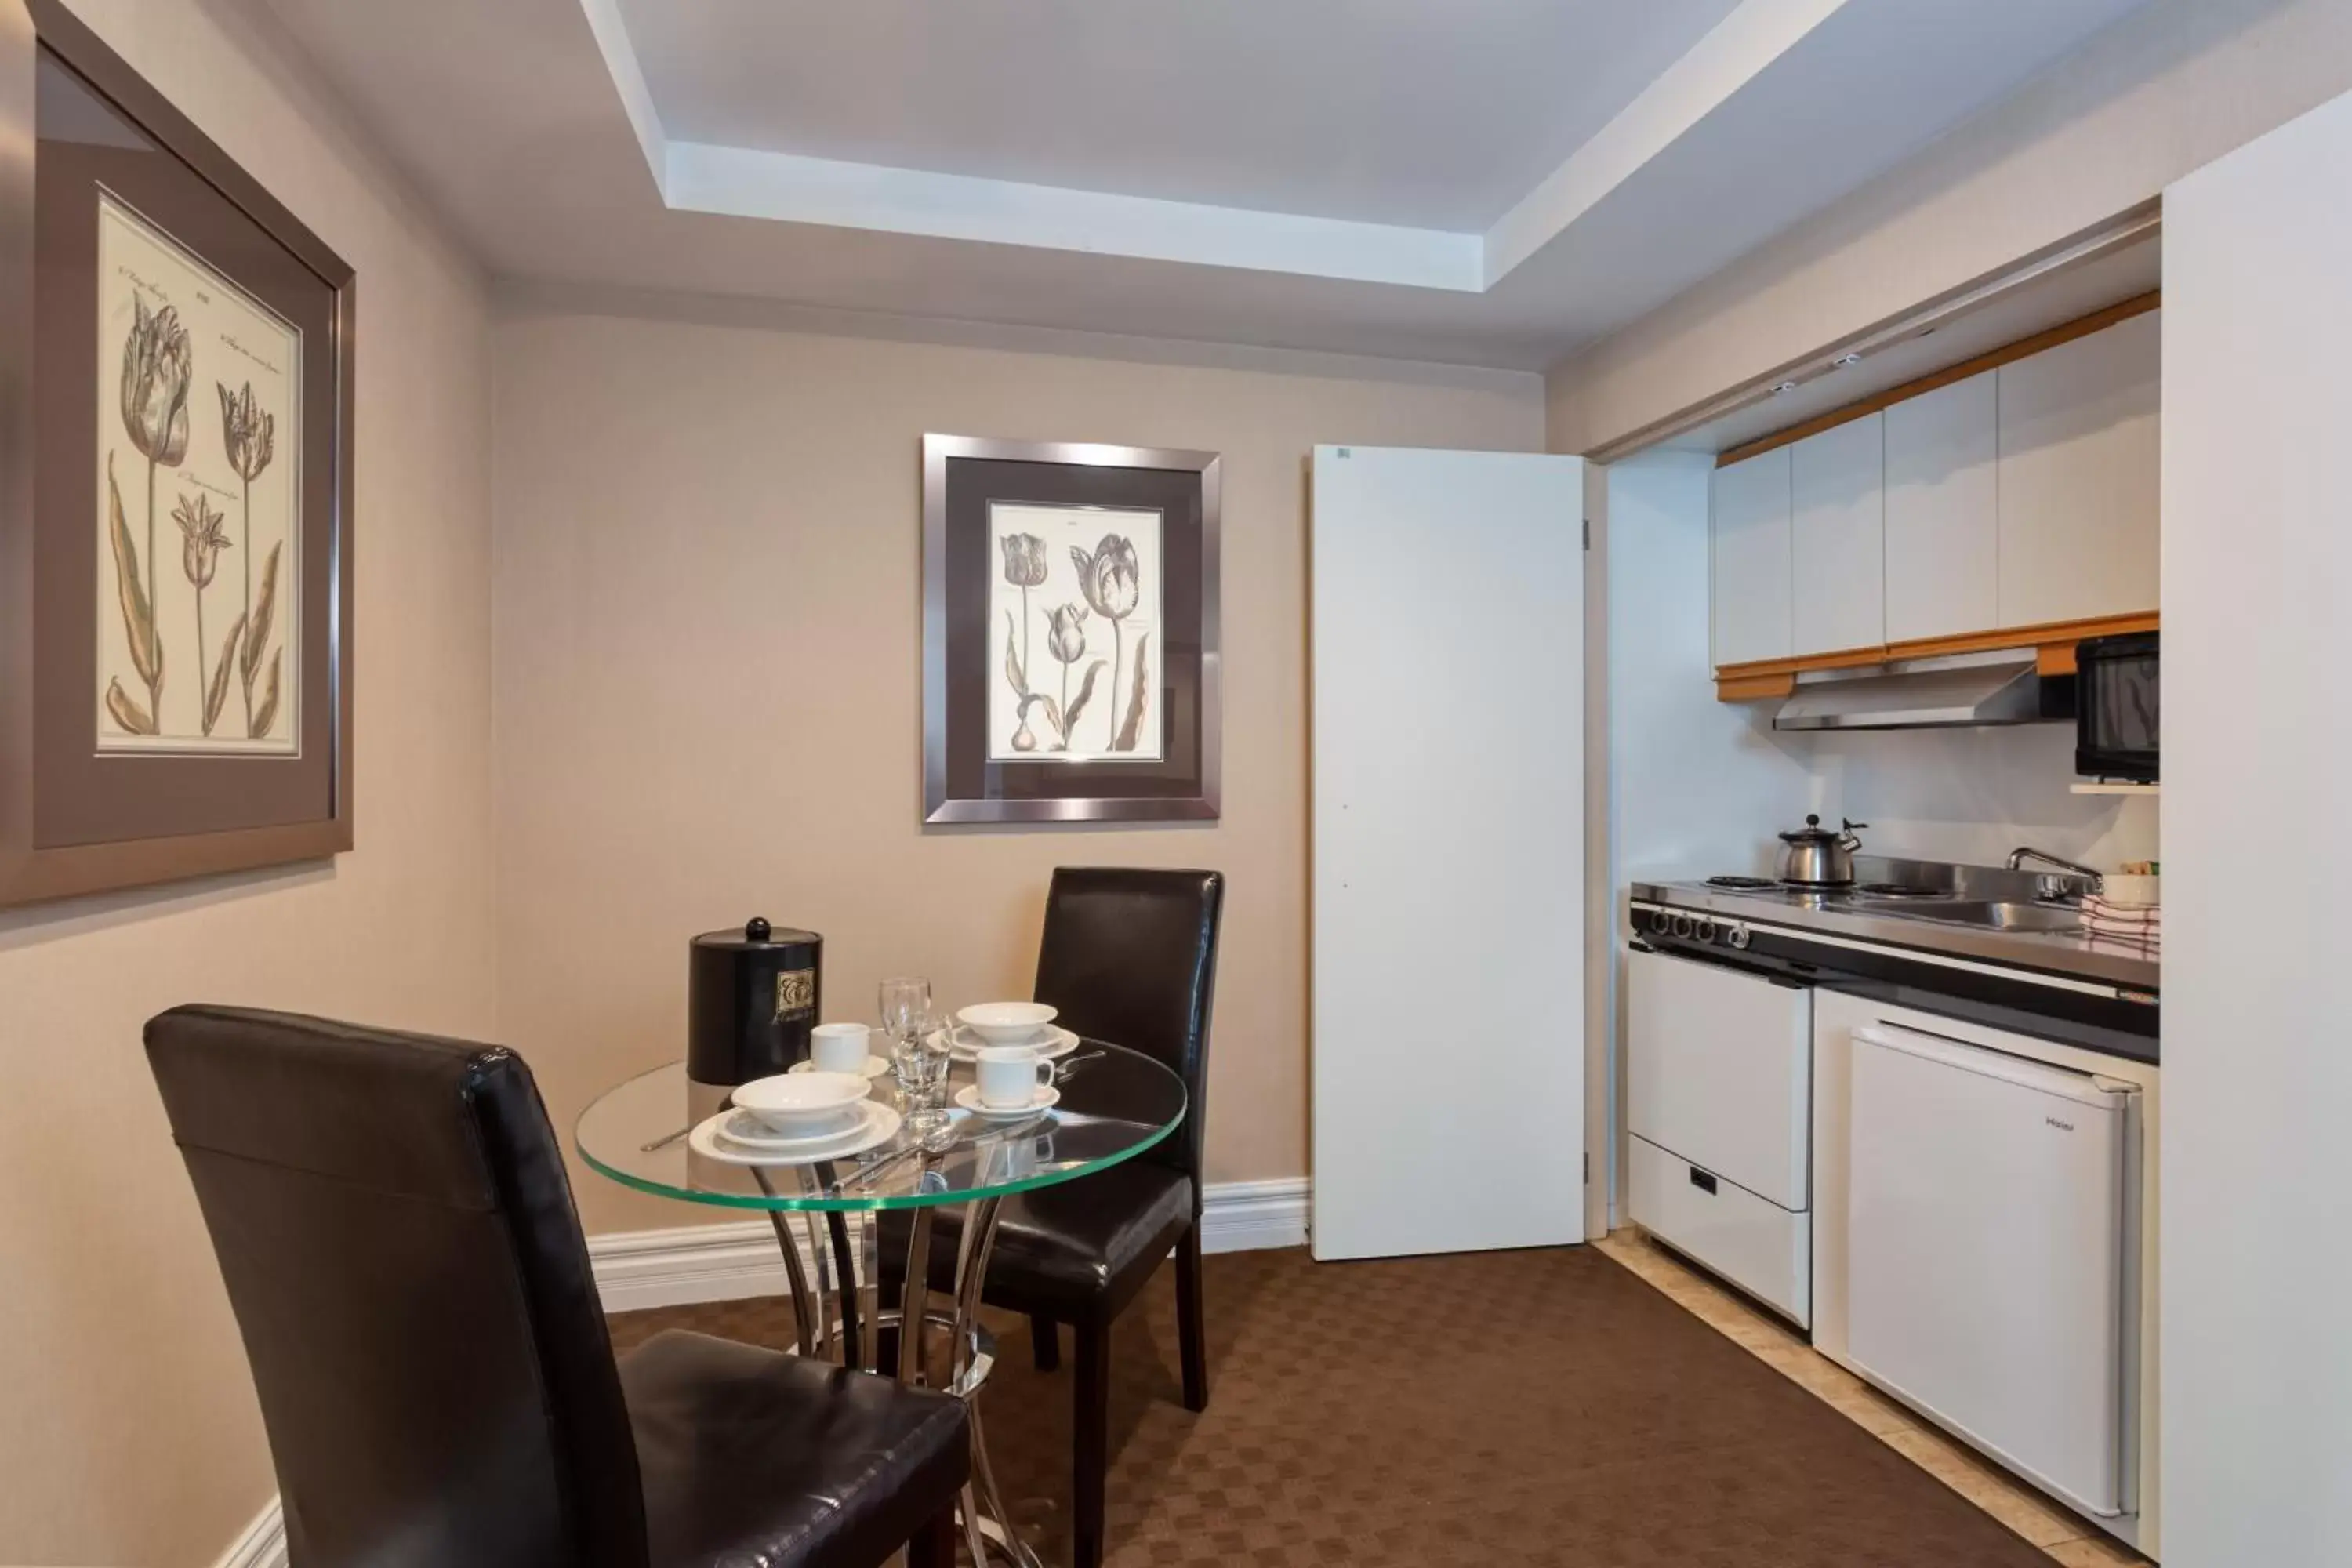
point(1719, 1071)
point(1719, 1112)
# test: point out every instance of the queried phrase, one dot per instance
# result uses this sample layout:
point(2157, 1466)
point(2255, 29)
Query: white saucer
point(875, 1067)
point(879, 1124)
point(965, 1044)
point(968, 1097)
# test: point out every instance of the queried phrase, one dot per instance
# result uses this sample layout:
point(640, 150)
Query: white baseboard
point(689, 1263)
point(263, 1544)
point(686, 1264)
point(679, 1267)
point(1252, 1216)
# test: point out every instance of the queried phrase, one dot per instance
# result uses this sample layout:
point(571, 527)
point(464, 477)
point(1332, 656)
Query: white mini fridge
point(1992, 1263)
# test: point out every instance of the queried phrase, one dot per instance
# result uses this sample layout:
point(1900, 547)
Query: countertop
point(2123, 964)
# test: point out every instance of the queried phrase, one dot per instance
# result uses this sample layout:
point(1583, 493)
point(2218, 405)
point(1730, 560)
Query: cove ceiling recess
point(1488, 181)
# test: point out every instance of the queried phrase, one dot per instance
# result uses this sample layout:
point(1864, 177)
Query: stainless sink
point(2003, 916)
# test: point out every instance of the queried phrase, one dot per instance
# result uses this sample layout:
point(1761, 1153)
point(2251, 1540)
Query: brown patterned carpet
point(1497, 1408)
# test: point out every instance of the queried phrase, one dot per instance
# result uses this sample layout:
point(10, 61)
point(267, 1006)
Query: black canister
point(752, 998)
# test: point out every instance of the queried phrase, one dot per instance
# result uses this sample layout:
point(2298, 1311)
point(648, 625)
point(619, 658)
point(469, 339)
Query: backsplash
point(1971, 794)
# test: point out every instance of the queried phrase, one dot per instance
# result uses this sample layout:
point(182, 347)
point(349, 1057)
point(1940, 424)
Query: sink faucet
point(2052, 888)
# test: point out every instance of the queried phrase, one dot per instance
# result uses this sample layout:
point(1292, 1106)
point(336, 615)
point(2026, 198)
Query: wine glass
point(919, 1065)
point(906, 1007)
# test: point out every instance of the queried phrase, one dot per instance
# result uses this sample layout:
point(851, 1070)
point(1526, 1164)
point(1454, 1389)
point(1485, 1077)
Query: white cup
point(1010, 1076)
point(839, 1048)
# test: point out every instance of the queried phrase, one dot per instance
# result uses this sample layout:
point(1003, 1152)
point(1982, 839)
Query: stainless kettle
point(1819, 856)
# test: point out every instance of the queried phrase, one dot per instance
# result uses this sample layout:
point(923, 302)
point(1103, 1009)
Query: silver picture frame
point(1192, 795)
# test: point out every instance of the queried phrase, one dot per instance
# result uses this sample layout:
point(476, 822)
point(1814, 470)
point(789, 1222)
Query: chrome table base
point(840, 1317)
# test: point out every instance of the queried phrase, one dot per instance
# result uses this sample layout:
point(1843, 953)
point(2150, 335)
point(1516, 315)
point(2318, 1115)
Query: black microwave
point(2116, 690)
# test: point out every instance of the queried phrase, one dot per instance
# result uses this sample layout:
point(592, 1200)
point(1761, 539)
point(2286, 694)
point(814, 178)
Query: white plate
point(881, 1125)
point(965, 1044)
point(745, 1131)
point(969, 1098)
point(875, 1067)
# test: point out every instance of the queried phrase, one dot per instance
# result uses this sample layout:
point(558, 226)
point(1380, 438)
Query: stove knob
point(1735, 936)
point(1682, 925)
point(1704, 929)
point(1658, 921)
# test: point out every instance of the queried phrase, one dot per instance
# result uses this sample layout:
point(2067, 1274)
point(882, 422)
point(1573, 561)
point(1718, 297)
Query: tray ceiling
point(1485, 182)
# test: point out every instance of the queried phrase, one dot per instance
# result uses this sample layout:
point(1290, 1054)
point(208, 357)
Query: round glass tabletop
point(1114, 1103)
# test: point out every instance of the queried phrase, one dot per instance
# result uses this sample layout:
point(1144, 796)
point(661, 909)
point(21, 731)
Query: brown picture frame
point(1177, 778)
point(74, 819)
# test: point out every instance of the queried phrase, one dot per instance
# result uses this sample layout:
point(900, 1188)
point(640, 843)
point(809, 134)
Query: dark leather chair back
point(396, 1232)
point(1130, 957)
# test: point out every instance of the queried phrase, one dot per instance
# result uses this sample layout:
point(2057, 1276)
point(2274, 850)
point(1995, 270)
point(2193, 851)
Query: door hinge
point(1588, 1167)
point(1588, 533)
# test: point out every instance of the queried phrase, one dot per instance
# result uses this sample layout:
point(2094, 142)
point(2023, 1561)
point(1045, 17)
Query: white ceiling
point(1482, 182)
point(1428, 113)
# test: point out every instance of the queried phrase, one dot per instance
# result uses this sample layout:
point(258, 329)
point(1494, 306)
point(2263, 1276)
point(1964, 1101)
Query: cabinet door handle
point(1701, 1180)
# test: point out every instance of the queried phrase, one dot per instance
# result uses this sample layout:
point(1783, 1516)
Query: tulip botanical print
point(198, 388)
point(1075, 625)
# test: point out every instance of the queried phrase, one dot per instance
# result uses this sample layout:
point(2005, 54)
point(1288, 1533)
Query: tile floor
point(2065, 1537)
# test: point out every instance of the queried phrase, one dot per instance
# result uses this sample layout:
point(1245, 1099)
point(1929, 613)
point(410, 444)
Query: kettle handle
point(1846, 833)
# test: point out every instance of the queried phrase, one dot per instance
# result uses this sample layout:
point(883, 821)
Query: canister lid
point(757, 933)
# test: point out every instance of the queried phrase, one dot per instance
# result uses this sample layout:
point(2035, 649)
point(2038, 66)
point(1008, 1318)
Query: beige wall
point(128, 1428)
point(2174, 86)
point(708, 576)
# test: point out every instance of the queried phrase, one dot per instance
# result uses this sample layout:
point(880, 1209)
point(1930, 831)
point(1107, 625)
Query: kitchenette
point(1915, 1114)
point(1899, 1085)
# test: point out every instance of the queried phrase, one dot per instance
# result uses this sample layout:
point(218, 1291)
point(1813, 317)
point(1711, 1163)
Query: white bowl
point(1006, 1023)
point(802, 1102)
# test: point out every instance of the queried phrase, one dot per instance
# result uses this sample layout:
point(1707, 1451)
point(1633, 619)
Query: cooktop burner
point(1755, 884)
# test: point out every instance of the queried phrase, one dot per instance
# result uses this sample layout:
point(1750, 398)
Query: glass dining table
point(1114, 1104)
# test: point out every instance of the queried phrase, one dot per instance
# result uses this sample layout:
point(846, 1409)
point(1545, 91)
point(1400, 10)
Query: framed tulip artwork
point(175, 488)
point(1075, 578)
point(1070, 664)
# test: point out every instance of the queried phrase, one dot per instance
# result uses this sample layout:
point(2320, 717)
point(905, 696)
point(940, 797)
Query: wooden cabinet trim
point(2024, 348)
point(2068, 632)
point(1754, 687)
point(2053, 644)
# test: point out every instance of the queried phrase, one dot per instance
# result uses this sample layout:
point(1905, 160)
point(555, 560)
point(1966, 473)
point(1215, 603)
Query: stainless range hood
point(1929, 695)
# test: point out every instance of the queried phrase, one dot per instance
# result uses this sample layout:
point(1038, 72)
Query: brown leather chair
point(396, 1232)
point(1129, 957)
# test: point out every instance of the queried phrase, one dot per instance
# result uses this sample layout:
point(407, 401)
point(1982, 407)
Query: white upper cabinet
point(1750, 558)
point(2024, 495)
point(1943, 520)
point(1837, 485)
point(2078, 464)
